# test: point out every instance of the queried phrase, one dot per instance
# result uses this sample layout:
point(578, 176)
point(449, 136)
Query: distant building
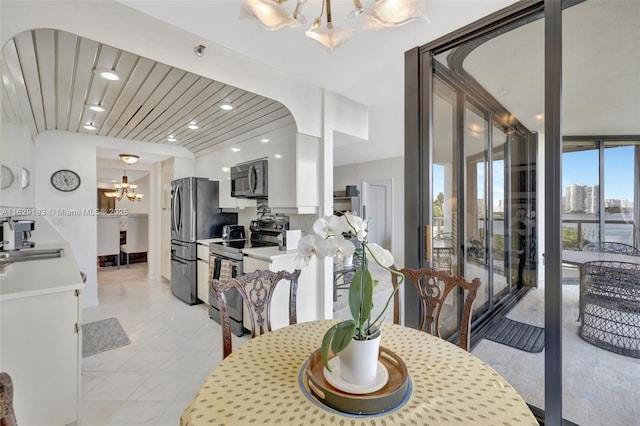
point(575, 198)
point(592, 201)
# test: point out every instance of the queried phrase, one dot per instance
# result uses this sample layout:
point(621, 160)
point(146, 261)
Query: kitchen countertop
point(269, 253)
point(44, 276)
point(209, 241)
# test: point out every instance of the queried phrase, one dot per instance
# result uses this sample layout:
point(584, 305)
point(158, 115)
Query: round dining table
point(261, 383)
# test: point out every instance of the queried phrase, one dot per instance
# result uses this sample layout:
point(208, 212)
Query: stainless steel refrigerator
point(195, 215)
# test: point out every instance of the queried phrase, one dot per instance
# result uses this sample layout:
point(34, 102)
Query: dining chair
point(137, 237)
point(109, 237)
point(612, 247)
point(433, 287)
point(256, 289)
point(7, 415)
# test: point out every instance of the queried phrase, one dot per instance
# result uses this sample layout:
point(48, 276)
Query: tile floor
point(175, 346)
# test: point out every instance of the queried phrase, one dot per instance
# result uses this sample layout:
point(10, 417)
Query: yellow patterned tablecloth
point(258, 384)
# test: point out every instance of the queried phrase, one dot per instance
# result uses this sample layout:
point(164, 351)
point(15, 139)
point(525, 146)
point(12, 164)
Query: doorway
point(376, 198)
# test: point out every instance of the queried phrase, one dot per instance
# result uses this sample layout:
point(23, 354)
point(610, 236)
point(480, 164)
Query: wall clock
point(65, 180)
point(6, 177)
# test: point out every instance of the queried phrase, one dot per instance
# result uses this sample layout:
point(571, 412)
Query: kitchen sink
point(8, 257)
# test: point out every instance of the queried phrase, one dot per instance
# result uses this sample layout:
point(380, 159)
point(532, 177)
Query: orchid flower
point(382, 256)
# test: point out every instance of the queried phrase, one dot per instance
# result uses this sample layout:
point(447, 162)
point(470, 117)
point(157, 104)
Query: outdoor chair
point(443, 256)
point(611, 247)
point(256, 289)
point(610, 294)
point(433, 287)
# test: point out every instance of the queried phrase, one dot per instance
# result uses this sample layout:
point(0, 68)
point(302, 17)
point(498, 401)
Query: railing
point(586, 231)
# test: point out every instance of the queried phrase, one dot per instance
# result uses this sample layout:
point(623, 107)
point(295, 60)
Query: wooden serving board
point(389, 397)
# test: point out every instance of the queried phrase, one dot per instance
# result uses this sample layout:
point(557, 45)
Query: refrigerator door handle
point(177, 210)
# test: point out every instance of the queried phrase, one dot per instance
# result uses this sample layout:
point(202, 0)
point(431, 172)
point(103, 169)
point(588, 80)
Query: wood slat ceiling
point(49, 81)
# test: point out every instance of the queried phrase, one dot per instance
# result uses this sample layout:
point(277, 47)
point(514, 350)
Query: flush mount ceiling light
point(96, 108)
point(108, 74)
point(272, 15)
point(89, 126)
point(226, 106)
point(129, 158)
point(171, 138)
point(235, 149)
point(264, 140)
point(193, 126)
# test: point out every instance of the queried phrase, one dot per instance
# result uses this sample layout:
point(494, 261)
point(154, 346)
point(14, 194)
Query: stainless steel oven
point(228, 251)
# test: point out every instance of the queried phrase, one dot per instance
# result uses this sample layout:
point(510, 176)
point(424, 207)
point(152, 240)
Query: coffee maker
point(16, 234)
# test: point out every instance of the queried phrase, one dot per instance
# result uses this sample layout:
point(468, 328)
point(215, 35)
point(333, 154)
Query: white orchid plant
point(329, 240)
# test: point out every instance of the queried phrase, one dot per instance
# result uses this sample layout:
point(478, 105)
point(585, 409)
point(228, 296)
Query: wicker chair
point(256, 289)
point(7, 415)
point(433, 287)
point(611, 247)
point(610, 294)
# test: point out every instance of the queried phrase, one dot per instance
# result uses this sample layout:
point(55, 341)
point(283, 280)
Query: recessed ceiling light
point(226, 106)
point(171, 139)
point(96, 108)
point(278, 156)
point(89, 127)
point(235, 149)
point(264, 140)
point(108, 74)
point(226, 169)
point(193, 126)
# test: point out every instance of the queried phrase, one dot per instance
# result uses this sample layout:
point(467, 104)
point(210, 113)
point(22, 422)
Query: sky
point(582, 168)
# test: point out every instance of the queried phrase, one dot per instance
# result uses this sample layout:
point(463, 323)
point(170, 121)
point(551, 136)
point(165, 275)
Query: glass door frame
point(419, 81)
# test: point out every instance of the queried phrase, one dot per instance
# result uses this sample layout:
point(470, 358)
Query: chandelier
point(382, 14)
point(125, 188)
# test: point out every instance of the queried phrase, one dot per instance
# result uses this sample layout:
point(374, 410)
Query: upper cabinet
point(293, 175)
point(293, 164)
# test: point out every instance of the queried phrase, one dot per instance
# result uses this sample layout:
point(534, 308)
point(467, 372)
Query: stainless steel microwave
point(249, 180)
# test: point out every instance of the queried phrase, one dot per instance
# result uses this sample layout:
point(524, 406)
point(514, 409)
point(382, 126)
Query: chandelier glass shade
point(272, 15)
point(123, 189)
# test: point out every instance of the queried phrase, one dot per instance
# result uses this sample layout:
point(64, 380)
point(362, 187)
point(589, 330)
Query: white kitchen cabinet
point(294, 166)
point(203, 272)
point(307, 296)
point(293, 174)
point(41, 351)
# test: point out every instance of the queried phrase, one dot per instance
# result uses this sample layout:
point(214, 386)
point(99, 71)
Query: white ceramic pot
point(359, 361)
point(348, 261)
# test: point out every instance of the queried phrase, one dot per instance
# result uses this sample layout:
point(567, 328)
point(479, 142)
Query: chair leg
point(128, 259)
point(118, 260)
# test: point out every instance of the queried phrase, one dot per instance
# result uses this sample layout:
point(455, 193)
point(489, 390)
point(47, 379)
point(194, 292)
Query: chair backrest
point(256, 289)
point(108, 235)
point(137, 234)
point(612, 247)
point(433, 287)
point(7, 415)
point(444, 236)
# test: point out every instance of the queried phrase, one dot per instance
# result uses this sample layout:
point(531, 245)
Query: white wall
point(16, 152)
point(56, 150)
point(393, 169)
